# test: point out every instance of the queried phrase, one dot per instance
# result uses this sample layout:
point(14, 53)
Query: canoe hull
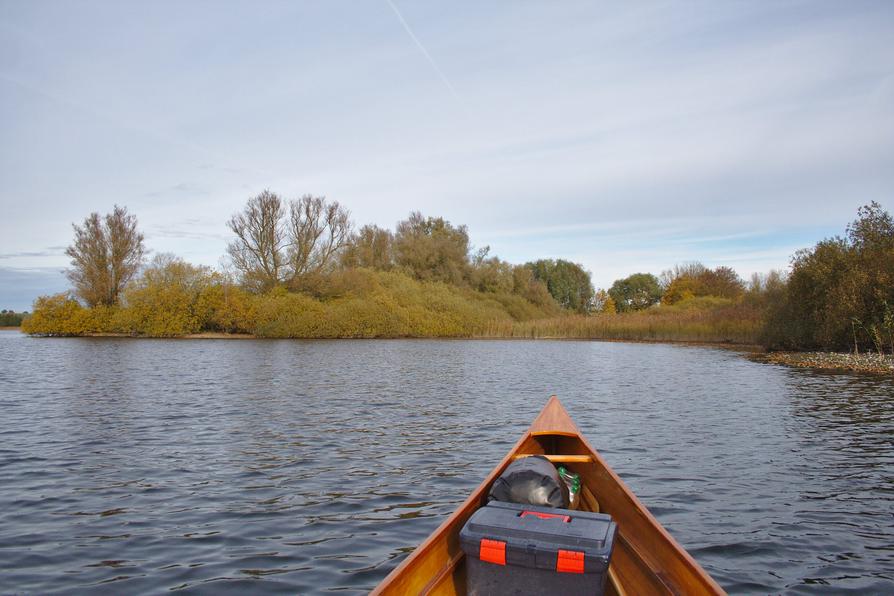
point(646, 560)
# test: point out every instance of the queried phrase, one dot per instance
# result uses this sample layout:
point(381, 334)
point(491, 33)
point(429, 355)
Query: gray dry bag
point(531, 481)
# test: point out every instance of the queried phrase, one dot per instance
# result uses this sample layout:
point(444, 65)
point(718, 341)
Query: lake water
point(222, 466)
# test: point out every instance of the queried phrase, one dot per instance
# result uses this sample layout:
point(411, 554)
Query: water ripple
point(285, 466)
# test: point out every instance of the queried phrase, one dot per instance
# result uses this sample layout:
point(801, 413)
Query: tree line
point(840, 294)
point(295, 263)
point(295, 244)
point(11, 318)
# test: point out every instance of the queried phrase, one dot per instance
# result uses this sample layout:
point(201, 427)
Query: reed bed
point(734, 325)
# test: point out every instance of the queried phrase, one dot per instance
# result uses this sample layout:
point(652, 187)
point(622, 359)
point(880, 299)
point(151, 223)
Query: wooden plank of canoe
point(649, 560)
point(646, 559)
point(560, 459)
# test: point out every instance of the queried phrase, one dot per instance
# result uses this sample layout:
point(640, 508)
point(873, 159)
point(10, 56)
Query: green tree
point(765, 289)
point(820, 299)
point(873, 230)
point(530, 288)
point(432, 249)
point(568, 283)
point(107, 252)
point(10, 318)
point(490, 274)
point(871, 238)
point(636, 292)
point(690, 280)
point(840, 293)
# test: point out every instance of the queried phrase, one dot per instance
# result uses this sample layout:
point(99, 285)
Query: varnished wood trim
point(559, 459)
point(553, 420)
point(589, 500)
point(647, 560)
point(445, 574)
point(615, 584)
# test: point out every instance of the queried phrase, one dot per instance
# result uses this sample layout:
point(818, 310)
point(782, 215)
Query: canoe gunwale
point(439, 555)
point(546, 433)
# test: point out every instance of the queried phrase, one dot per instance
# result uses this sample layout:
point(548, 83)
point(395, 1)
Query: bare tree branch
point(257, 251)
point(105, 255)
point(318, 232)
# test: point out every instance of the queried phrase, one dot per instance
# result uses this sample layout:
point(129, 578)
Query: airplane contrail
point(423, 50)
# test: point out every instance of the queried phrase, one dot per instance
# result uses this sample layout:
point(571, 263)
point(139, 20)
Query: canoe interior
point(646, 559)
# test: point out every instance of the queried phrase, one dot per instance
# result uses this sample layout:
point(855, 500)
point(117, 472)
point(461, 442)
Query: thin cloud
point(186, 231)
point(28, 271)
point(180, 188)
point(626, 138)
point(51, 252)
point(423, 50)
point(669, 230)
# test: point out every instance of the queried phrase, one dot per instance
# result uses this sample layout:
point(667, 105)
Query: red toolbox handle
point(565, 518)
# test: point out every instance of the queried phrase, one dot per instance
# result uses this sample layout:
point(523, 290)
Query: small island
point(299, 269)
point(10, 319)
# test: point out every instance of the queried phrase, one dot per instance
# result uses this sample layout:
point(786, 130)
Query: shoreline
point(723, 345)
point(750, 348)
point(867, 362)
point(203, 335)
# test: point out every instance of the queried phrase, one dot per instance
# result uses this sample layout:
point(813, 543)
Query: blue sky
point(625, 136)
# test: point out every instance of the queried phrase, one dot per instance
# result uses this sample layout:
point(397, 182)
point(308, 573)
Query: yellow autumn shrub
point(224, 307)
point(59, 314)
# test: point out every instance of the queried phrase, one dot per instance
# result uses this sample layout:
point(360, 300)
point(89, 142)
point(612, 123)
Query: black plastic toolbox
point(524, 549)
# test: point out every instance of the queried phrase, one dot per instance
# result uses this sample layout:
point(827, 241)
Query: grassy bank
point(353, 304)
point(375, 304)
point(695, 321)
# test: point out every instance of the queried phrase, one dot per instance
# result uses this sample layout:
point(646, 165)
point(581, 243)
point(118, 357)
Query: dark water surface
point(215, 466)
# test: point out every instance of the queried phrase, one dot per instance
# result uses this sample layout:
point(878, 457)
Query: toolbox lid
point(540, 537)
